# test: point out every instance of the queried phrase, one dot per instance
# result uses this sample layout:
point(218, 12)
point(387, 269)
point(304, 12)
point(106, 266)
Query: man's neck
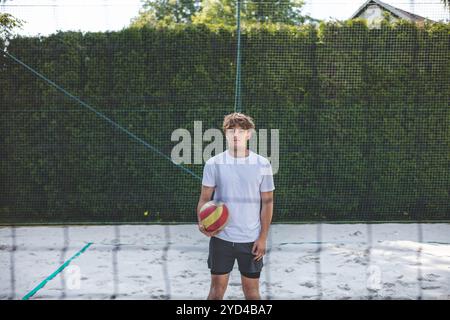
point(238, 153)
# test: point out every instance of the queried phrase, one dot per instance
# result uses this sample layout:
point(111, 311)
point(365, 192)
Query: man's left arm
point(259, 247)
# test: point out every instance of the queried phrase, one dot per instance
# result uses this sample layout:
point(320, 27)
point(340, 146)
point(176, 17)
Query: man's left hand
point(259, 249)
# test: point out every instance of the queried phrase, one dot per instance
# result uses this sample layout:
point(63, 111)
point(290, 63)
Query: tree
point(287, 11)
point(166, 12)
point(7, 24)
point(252, 11)
point(217, 12)
point(221, 12)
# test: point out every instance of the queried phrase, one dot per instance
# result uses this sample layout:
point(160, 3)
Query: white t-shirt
point(239, 183)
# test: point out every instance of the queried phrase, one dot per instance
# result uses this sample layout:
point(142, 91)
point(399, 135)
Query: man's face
point(237, 137)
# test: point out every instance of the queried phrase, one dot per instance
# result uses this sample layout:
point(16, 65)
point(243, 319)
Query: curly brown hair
point(234, 119)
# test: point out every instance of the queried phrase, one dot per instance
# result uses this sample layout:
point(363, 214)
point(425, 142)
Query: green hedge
point(363, 116)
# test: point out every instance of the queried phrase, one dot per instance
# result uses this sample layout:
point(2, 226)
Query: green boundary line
point(50, 277)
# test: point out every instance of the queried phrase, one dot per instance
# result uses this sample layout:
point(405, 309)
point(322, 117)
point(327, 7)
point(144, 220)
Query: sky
point(48, 16)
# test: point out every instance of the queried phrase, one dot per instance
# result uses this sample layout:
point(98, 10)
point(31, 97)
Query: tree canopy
point(7, 24)
point(223, 12)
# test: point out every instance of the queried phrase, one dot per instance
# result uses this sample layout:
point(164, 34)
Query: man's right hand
point(207, 233)
point(205, 196)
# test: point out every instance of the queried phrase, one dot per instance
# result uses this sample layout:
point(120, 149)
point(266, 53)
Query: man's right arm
point(205, 196)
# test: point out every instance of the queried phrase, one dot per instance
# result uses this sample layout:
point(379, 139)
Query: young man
point(242, 180)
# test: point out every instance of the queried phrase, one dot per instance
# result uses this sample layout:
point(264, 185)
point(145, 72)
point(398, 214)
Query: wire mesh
point(92, 120)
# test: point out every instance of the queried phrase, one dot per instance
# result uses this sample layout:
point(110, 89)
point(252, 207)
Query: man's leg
point(250, 286)
point(220, 261)
point(250, 270)
point(219, 283)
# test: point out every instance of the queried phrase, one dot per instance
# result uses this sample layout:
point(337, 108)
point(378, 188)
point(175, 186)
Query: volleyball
point(214, 215)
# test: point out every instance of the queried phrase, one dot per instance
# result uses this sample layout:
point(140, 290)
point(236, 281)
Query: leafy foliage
point(363, 118)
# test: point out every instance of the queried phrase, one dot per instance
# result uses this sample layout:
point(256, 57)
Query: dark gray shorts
point(222, 255)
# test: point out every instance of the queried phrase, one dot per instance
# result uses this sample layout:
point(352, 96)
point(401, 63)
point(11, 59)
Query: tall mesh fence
point(356, 116)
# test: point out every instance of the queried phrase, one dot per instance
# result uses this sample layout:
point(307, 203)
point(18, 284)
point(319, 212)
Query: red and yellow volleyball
point(214, 215)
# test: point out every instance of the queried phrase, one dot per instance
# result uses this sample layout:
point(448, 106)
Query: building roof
point(399, 13)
